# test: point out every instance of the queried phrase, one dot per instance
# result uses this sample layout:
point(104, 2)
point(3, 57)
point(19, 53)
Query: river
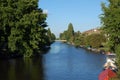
point(61, 62)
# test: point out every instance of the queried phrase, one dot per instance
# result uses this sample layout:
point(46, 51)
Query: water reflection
point(21, 69)
point(62, 62)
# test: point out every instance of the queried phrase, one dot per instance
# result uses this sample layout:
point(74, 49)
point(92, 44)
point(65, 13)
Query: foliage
point(50, 35)
point(22, 26)
point(111, 25)
point(117, 51)
point(95, 40)
point(80, 39)
point(68, 34)
point(63, 35)
point(77, 38)
point(111, 22)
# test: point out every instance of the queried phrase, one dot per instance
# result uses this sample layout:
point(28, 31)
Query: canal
point(61, 62)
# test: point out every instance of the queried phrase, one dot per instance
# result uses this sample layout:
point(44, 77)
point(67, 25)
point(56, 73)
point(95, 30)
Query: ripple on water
point(65, 62)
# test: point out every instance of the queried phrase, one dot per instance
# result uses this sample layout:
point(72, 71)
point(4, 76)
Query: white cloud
point(45, 11)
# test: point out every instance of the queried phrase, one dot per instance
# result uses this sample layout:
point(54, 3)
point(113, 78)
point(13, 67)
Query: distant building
point(92, 31)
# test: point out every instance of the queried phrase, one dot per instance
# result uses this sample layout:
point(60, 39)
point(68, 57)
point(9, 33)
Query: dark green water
point(21, 69)
point(62, 62)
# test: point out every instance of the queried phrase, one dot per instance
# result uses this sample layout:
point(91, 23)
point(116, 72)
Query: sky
point(83, 14)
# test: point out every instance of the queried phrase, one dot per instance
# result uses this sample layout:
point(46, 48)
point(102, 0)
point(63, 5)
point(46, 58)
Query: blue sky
point(83, 14)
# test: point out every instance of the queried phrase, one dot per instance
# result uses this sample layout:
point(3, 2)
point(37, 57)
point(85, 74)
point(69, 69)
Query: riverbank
point(101, 51)
point(4, 54)
point(95, 50)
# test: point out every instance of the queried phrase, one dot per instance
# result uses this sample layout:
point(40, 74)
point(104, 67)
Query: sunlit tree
point(50, 35)
point(111, 25)
point(22, 26)
point(111, 22)
point(95, 40)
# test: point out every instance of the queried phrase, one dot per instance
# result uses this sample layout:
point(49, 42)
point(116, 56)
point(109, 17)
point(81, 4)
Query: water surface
point(65, 62)
point(61, 62)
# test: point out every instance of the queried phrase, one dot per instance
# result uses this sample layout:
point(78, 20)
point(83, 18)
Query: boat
point(110, 62)
point(111, 56)
point(109, 68)
point(106, 75)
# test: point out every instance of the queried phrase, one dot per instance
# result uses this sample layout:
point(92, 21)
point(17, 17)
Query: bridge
point(61, 40)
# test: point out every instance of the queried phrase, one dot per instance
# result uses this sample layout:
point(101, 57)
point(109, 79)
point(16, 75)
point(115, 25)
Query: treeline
point(93, 40)
point(111, 26)
point(51, 36)
point(23, 28)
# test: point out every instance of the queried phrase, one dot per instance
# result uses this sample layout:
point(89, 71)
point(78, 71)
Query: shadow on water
point(21, 69)
point(62, 62)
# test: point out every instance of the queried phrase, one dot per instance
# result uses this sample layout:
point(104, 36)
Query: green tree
point(111, 25)
point(50, 35)
point(70, 33)
point(82, 40)
point(111, 22)
point(23, 26)
point(53, 36)
point(6, 20)
point(63, 35)
point(77, 38)
point(95, 40)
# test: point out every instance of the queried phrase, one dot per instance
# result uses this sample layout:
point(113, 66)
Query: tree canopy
point(68, 34)
point(22, 27)
point(111, 22)
point(111, 26)
point(51, 35)
point(95, 40)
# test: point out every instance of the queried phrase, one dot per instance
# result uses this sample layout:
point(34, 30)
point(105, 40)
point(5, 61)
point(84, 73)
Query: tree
point(7, 20)
point(50, 35)
point(53, 36)
point(111, 25)
point(111, 22)
point(63, 35)
point(70, 33)
point(95, 40)
point(77, 38)
point(23, 26)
